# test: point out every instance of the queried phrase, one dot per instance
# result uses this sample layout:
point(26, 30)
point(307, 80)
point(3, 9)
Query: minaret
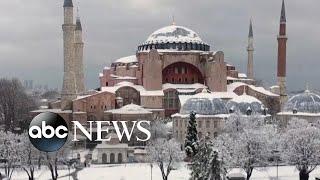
point(282, 56)
point(69, 86)
point(78, 49)
point(250, 50)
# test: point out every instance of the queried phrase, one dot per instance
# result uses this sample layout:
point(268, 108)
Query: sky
point(31, 35)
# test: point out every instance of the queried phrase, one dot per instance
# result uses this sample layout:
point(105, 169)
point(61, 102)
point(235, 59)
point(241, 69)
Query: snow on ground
point(143, 172)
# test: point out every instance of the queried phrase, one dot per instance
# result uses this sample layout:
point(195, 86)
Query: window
point(200, 124)
point(208, 123)
point(215, 134)
point(176, 70)
point(215, 124)
point(171, 100)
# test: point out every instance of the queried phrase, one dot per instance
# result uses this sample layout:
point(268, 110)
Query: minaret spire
point(67, 3)
point(78, 21)
point(173, 21)
point(250, 50)
point(250, 29)
point(283, 18)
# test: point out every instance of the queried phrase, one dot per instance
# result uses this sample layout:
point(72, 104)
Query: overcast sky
point(31, 35)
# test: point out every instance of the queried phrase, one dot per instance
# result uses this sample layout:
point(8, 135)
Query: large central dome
point(174, 34)
point(174, 37)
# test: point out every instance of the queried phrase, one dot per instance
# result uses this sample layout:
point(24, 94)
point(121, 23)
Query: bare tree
point(246, 143)
point(55, 159)
point(165, 153)
point(15, 104)
point(29, 156)
point(301, 147)
point(10, 152)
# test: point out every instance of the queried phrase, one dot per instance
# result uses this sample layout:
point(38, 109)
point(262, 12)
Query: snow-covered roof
point(173, 33)
point(211, 96)
point(183, 86)
point(201, 115)
point(242, 75)
point(290, 113)
point(113, 89)
point(58, 111)
point(130, 109)
point(262, 90)
point(244, 98)
point(233, 86)
point(140, 151)
point(152, 93)
point(128, 59)
point(112, 146)
point(122, 77)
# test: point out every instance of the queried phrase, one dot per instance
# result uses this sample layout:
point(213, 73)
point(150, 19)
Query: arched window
point(119, 158)
point(112, 158)
point(180, 71)
point(104, 158)
point(129, 95)
point(174, 45)
point(180, 46)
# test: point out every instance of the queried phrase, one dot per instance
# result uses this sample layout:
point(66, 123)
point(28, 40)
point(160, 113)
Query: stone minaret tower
point(282, 56)
point(78, 48)
point(250, 50)
point(69, 87)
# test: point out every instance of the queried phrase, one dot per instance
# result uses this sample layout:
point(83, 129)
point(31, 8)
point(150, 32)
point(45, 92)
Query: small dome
point(175, 38)
point(204, 106)
point(306, 102)
point(245, 103)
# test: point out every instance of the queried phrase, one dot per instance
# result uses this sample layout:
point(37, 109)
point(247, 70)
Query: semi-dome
point(175, 38)
point(204, 106)
point(306, 102)
point(246, 104)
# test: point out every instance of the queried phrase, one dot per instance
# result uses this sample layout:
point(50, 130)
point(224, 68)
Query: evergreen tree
point(191, 141)
point(206, 164)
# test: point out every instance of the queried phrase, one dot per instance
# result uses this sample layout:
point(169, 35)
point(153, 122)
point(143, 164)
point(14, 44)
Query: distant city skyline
point(31, 46)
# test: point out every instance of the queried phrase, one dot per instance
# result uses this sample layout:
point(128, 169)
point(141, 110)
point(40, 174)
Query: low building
point(305, 106)
point(112, 152)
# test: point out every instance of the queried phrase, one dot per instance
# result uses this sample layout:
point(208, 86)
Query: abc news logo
point(48, 131)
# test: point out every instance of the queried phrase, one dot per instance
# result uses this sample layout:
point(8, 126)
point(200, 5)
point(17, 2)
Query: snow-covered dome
point(306, 102)
point(173, 34)
point(175, 38)
point(204, 106)
point(245, 104)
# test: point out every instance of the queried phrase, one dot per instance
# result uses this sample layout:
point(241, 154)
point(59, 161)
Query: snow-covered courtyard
point(143, 172)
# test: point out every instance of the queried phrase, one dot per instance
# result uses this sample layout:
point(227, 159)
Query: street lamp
point(151, 166)
point(275, 153)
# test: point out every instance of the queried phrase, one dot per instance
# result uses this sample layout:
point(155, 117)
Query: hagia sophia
point(171, 74)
